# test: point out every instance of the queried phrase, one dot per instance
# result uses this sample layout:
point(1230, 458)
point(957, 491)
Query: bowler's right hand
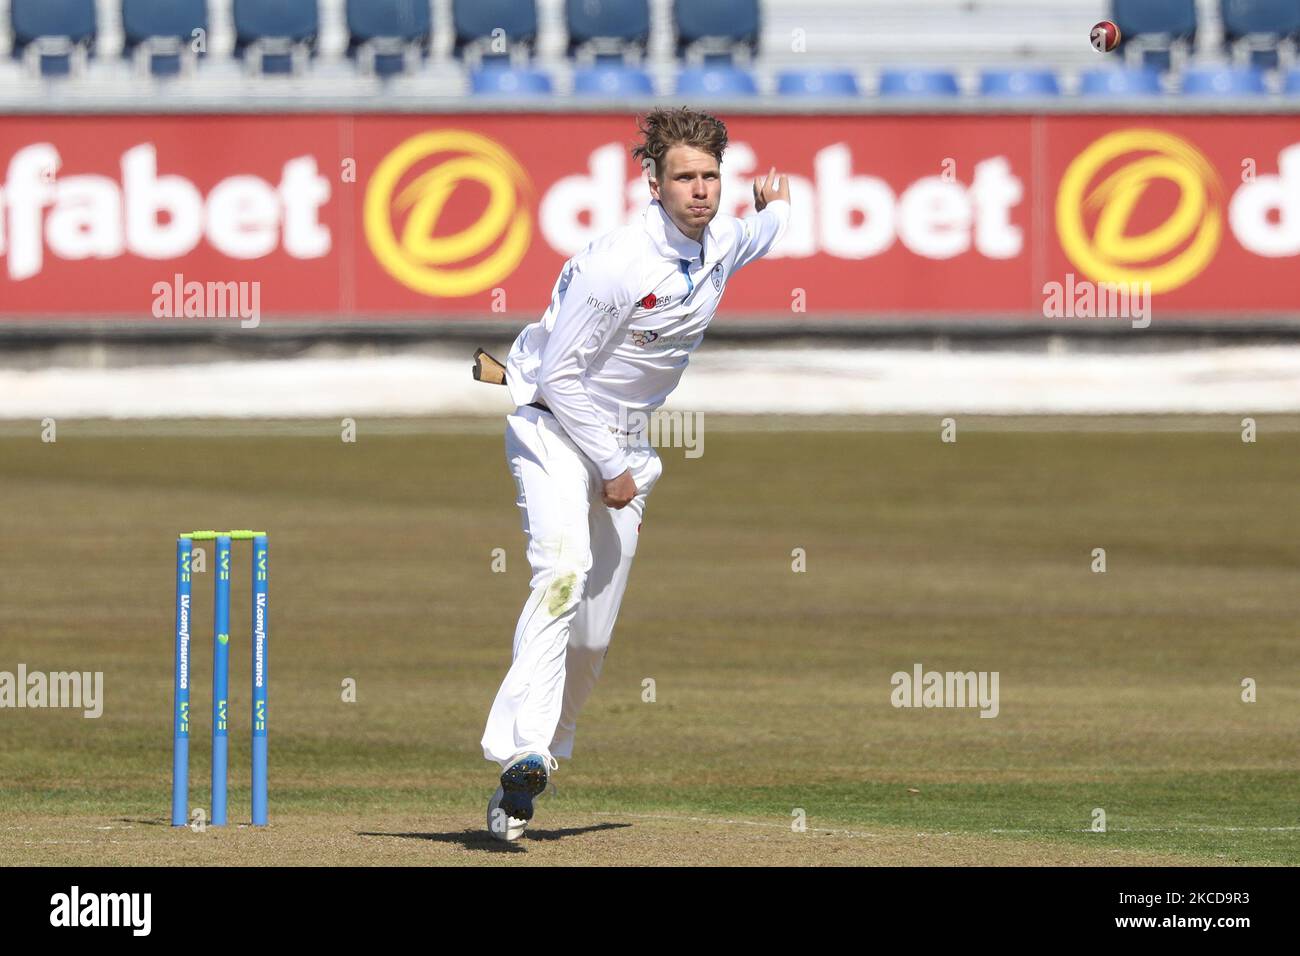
point(619, 492)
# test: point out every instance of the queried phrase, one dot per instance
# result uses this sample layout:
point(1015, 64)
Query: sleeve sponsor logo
point(603, 307)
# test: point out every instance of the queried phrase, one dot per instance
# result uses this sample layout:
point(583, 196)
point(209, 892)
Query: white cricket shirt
point(625, 316)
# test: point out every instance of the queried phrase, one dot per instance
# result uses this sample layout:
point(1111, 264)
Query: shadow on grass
point(482, 840)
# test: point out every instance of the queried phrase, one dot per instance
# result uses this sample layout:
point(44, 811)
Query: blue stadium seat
point(607, 29)
point(477, 23)
point(162, 32)
point(1276, 17)
point(1291, 84)
point(1154, 27)
point(1257, 26)
point(612, 81)
point(386, 34)
point(710, 31)
point(498, 80)
point(715, 81)
point(1119, 82)
point(918, 82)
point(1223, 81)
point(817, 83)
point(52, 32)
point(1017, 82)
point(277, 31)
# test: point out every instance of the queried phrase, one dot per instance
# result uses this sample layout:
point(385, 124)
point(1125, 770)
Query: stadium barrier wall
point(384, 218)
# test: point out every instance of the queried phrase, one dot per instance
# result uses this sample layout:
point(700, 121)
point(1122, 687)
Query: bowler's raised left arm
point(761, 231)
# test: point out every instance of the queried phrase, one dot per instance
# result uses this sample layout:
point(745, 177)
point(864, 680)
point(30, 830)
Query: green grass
point(1118, 690)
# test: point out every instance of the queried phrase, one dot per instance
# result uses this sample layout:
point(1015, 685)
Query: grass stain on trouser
point(560, 592)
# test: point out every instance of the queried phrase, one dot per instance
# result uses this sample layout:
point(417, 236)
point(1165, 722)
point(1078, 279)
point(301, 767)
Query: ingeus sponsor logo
point(74, 908)
point(180, 299)
point(82, 690)
point(946, 689)
point(154, 216)
point(643, 338)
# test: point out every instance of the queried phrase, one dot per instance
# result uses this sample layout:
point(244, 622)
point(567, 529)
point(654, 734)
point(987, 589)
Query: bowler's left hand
point(769, 188)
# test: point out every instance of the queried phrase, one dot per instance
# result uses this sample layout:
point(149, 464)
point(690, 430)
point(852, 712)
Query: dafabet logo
point(442, 252)
point(1122, 183)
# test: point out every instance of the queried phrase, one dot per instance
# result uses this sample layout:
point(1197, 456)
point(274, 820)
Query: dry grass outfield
point(1118, 691)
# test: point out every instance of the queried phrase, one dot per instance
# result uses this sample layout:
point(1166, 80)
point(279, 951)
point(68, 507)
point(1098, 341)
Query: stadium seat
point(607, 31)
point(1119, 82)
point(1255, 28)
point(493, 30)
point(276, 36)
point(918, 82)
point(1223, 81)
point(816, 83)
point(612, 81)
point(53, 37)
point(715, 81)
point(1151, 29)
point(709, 34)
point(159, 34)
point(1291, 84)
point(500, 80)
point(388, 36)
point(1016, 83)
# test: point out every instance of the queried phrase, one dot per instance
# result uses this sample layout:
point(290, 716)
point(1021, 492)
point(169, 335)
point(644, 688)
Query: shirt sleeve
point(594, 307)
point(760, 232)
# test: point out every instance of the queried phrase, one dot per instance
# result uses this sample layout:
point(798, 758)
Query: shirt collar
point(668, 238)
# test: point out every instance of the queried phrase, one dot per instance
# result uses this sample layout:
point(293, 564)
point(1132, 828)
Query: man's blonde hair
point(661, 129)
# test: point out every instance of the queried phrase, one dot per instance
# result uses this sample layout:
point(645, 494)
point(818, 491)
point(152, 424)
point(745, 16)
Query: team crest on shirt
point(716, 276)
point(643, 337)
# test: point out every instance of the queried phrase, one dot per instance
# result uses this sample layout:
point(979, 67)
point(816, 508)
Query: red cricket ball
point(1105, 36)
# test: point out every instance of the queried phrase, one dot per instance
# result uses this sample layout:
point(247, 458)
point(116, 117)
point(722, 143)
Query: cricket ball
point(1105, 36)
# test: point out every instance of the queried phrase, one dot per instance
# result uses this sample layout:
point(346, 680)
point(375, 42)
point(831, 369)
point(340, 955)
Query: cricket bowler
point(624, 318)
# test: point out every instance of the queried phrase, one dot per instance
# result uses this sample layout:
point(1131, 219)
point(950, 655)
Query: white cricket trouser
point(581, 553)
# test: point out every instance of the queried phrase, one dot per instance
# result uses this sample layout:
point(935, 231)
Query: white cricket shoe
point(511, 807)
point(500, 824)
